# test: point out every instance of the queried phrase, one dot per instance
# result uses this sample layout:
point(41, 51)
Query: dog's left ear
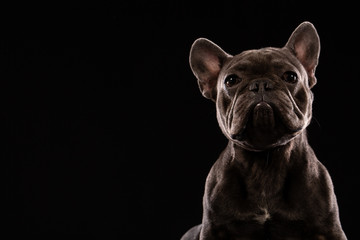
point(304, 42)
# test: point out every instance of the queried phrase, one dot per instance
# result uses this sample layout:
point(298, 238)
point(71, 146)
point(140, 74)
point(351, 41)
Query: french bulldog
point(267, 183)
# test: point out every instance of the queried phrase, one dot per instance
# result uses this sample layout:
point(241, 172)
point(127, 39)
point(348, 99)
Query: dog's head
point(263, 97)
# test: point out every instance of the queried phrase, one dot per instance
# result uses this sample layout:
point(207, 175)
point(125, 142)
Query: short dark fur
point(267, 183)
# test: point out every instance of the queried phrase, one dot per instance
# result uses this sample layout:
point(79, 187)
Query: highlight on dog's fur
point(267, 183)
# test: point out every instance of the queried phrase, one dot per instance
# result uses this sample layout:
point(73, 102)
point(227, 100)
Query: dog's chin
point(259, 146)
point(264, 130)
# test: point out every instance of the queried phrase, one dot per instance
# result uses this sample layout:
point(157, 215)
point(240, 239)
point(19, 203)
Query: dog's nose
point(261, 85)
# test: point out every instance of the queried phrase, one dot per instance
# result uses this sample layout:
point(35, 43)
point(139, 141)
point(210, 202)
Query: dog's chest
point(262, 215)
point(258, 208)
point(250, 193)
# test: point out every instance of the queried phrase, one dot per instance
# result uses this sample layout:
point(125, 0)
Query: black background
point(105, 134)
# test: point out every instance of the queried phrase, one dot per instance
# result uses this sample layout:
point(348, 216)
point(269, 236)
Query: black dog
point(267, 183)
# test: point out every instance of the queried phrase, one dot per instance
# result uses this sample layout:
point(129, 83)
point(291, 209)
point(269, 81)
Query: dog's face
point(263, 97)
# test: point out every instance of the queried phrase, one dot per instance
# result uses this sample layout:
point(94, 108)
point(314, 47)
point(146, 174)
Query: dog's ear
point(206, 60)
point(304, 42)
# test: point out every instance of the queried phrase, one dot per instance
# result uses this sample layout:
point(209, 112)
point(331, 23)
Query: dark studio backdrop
point(105, 134)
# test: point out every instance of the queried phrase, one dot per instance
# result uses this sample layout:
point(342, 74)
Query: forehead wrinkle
point(241, 60)
point(241, 65)
point(276, 64)
point(258, 62)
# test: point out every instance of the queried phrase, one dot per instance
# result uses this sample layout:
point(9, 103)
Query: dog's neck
point(265, 172)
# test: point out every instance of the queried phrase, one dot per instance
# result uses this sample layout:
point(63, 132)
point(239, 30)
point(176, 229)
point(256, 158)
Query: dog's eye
point(290, 77)
point(231, 80)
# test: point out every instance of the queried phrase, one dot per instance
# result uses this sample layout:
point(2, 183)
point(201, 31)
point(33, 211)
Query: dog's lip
point(240, 135)
point(277, 112)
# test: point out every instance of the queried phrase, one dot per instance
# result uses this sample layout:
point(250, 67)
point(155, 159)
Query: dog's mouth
point(263, 116)
point(264, 128)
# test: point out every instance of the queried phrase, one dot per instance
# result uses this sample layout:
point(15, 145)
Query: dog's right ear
point(206, 60)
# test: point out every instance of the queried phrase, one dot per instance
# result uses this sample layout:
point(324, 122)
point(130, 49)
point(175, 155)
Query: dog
point(267, 183)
